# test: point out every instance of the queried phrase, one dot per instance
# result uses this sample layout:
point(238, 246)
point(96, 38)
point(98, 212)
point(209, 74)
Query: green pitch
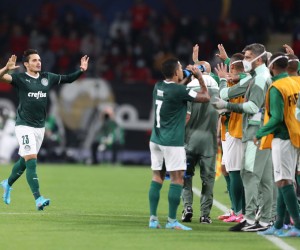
point(106, 207)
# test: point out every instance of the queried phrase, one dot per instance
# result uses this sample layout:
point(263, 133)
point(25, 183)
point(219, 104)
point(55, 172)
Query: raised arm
point(288, 49)
point(10, 65)
point(222, 53)
point(195, 53)
point(84, 63)
point(202, 95)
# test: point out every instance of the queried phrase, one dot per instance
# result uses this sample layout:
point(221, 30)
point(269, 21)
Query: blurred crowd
point(130, 47)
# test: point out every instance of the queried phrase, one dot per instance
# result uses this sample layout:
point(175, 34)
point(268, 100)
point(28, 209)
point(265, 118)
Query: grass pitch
point(106, 207)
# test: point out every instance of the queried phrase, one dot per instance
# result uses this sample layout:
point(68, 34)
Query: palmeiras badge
point(44, 81)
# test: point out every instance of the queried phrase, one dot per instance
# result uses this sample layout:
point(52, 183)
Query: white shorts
point(175, 157)
point(224, 152)
point(284, 156)
point(30, 139)
point(235, 152)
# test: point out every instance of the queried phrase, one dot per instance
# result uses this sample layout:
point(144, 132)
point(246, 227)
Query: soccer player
point(201, 148)
point(167, 139)
point(234, 147)
point(32, 87)
point(256, 170)
point(281, 131)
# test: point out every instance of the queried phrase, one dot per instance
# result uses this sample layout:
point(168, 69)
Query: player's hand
point(219, 103)
point(11, 63)
point(256, 142)
point(195, 71)
point(195, 53)
point(232, 77)
point(222, 52)
point(221, 70)
point(288, 49)
point(84, 62)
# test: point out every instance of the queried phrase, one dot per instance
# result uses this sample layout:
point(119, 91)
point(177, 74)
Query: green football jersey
point(170, 105)
point(33, 95)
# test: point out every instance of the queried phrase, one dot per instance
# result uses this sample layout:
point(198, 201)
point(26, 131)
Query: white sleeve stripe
point(244, 80)
point(250, 107)
point(59, 79)
point(224, 94)
point(192, 93)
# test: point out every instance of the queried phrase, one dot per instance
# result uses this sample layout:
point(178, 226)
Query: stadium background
point(126, 43)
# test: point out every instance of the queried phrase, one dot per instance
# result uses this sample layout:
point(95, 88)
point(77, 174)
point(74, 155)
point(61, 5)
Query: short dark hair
point(257, 49)
point(237, 57)
point(169, 67)
point(293, 65)
point(280, 63)
point(27, 53)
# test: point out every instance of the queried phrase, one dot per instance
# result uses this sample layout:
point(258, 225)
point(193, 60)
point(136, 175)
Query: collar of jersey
point(168, 82)
point(33, 76)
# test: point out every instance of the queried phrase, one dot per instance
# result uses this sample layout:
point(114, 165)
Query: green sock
point(17, 171)
point(287, 219)
point(298, 178)
point(237, 189)
point(281, 209)
point(32, 179)
point(154, 193)
point(291, 203)
point(227, 179)
point(174, 199)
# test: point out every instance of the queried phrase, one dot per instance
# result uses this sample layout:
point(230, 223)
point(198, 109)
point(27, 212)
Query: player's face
point(34, 63)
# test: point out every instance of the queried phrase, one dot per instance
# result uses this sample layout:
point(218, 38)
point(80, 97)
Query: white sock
point(153, 217)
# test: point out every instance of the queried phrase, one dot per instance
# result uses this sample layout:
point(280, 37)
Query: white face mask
point(248, 64)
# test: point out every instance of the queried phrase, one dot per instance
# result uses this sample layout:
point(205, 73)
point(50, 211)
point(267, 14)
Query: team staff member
point(234, 145)
point(201, 148)
point(283, 130)
point(256, 170)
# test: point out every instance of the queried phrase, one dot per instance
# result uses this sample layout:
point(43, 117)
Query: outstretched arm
point(74, 76)
point(10, 65)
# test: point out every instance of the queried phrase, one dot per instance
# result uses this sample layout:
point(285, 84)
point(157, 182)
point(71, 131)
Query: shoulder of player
point(263, 76)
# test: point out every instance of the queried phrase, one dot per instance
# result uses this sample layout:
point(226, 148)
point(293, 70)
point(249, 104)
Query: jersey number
point(25, 139)
point(158, 103)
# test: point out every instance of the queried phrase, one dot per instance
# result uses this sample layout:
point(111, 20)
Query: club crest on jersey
point(27, 148)
point(44, 81)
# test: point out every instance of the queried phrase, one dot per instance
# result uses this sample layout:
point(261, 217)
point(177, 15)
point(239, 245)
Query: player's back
point(170, 105)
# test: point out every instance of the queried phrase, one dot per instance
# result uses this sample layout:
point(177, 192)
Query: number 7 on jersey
point(158, 103)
